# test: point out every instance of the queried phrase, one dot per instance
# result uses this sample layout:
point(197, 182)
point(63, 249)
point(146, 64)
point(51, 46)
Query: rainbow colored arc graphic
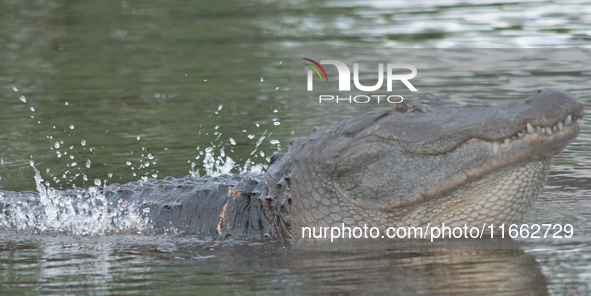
point(318, 72)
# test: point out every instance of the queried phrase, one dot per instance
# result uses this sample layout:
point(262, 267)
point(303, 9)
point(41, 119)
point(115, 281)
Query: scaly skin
point(428, 162)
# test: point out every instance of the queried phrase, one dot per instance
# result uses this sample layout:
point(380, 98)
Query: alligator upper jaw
point(441, 129)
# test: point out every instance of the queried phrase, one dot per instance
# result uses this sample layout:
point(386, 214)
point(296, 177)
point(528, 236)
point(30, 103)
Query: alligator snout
point(548, 106)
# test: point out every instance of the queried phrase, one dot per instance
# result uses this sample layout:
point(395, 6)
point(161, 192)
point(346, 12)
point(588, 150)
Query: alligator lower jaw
point(499, 197)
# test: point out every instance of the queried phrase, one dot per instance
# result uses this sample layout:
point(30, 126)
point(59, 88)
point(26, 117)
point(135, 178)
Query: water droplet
point(205, 80)
point(71, 147)
point(74, 164)
point(275, 111)
point(220, 107)
point(67, 103)
point(262, 154)
point(277, 88)
point(59, 154)
point(280, 62)
point(150, 156)
point(14, 88)
point(32, 109)
point(250, 137)
point(128, 162)
point(154, 176)
point(232, 141)
point(138, 138)
point(71, 126)
point(84, 177)
point(88, 162)
point(57, 144)
point(97, 182)
point(54, 127)
point(274, 142)
point(71, 156)
point(23, 99)
point(276, 123)
point(262, 79)
point(83, 142)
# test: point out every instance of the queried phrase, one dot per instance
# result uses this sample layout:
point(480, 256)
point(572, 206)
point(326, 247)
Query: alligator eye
point(401, 107)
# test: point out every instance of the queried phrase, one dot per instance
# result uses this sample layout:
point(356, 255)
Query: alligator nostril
point(539, 90)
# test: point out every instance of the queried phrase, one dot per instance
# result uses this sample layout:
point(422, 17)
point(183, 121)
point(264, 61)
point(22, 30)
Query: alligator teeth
point(496, 145)
point(530, 129)
point(549, 130)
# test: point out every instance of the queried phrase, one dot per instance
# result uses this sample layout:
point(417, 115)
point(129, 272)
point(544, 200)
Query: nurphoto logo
point(344, 79)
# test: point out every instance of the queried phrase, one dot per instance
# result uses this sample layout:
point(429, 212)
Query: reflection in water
point(147, 264)
point(411, 272)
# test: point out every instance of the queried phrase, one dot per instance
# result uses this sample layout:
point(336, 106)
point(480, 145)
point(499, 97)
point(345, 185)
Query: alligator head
point(424, 161)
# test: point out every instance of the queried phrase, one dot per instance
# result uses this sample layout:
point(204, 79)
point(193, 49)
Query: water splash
point(215, 166)
point(76, 211)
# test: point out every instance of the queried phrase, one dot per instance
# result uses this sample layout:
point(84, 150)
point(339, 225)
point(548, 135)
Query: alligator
point(415, 163)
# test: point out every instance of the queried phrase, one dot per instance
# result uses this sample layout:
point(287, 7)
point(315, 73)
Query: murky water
point(124, 90)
